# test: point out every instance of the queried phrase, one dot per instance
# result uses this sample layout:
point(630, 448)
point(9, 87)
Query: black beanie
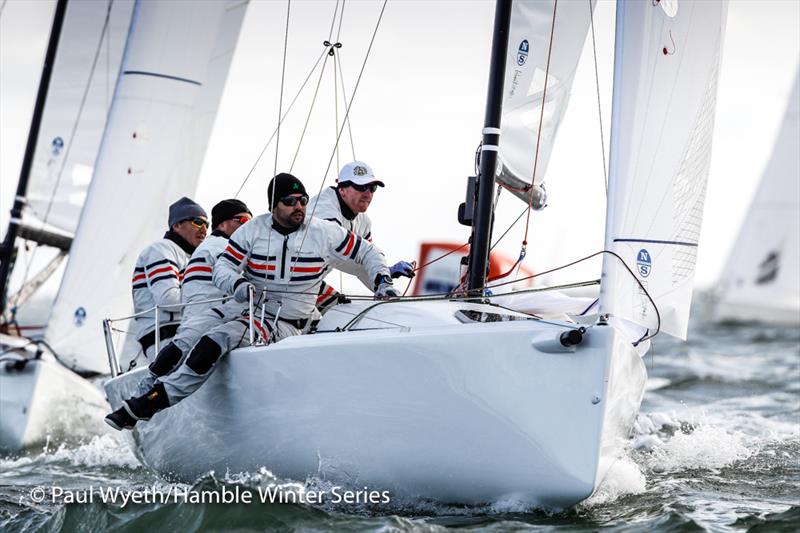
point(284, 185)
point(226, 210)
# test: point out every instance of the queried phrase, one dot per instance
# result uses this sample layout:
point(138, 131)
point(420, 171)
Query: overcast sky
point(418, 114)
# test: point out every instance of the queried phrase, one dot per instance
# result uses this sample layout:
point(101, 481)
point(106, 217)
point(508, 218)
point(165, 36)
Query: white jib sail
point(78, 99)
point(761, 280)
point(173, 72)
point(665, 84)
point(529, 41)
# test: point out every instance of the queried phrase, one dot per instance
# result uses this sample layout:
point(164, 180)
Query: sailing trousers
point(175, 349)
point(231, 331)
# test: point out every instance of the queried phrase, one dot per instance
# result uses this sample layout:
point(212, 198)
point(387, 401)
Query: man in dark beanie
point(281, 259)
point(159, 269)
point(196, 291)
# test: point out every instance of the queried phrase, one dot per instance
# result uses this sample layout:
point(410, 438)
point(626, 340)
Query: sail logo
point(522, 52)
point(80, 316)
point(644, 262)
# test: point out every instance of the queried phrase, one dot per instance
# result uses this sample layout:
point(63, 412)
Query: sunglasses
point(197, 222)
point(291, 201)
point(371, 187)
point(242, 219)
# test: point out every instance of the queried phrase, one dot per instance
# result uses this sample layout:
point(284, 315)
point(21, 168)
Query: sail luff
point(7, 251)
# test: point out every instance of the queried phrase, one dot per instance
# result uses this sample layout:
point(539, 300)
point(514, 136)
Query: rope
point(280, 98)
point(328, 46)
point(347, 114)
point(599, 108)
point(275, 131)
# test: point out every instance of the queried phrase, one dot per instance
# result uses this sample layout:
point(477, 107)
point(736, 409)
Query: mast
point(7, 251)
point(482, 226)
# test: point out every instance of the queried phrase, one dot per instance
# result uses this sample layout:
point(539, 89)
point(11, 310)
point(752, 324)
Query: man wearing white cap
point(346, 204)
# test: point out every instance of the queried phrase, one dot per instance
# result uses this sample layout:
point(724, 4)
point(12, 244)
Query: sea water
point(716, 447)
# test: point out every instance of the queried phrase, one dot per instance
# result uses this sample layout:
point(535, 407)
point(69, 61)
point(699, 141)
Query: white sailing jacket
point(291, 275)
point(197, 284)
point(328, 207)
point(157, 281)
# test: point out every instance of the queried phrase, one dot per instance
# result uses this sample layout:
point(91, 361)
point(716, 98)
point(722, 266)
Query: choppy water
point(716, 447)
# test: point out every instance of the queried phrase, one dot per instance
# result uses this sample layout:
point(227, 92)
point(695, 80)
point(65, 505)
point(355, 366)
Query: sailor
point(284, 255)
point(159, 270)
point(197, 289)
point(347, 204)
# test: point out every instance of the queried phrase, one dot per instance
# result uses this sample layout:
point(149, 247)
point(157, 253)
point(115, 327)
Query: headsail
point(529, 42)
point(174, 68)
point(665, 85)
point(761, 280)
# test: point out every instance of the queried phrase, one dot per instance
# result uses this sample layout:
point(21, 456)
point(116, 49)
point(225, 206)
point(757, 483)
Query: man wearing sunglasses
point(281, 258)
point(196, 289)
point(346, 204)
point(158, 272)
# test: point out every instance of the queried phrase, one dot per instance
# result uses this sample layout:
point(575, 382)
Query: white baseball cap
point(359, 173)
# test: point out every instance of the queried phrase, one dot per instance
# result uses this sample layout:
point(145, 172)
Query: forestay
point(79, 96)
point(761, 279)
point(665, 84)
point(174, 68)
point(529, 42)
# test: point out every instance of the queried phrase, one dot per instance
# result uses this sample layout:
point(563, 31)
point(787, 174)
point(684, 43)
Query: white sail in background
point(528, 45)
point(79, 96)
point(175, 65)
point(665, 84)
point(761, 280)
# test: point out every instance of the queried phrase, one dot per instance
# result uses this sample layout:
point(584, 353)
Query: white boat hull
point(459, 413)
point(45, 401)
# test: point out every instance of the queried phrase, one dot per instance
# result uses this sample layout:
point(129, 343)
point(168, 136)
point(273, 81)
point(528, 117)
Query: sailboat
point(761, 279)
point(460, 400)
point(148, 151)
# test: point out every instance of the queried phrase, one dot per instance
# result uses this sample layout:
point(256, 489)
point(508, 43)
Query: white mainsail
point(526, 65)
point(174, 68)
point(665, 84)
point(761, 280)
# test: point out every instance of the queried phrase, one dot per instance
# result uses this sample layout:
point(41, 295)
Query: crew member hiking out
point(347, 204)
point(159, 270)
point(281, 258)
point(196, 289)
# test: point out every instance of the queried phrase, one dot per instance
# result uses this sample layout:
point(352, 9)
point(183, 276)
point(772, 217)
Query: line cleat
point(148, 404)
point(120, 419)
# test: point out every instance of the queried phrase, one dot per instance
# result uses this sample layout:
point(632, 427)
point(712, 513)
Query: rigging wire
point(280, 99)
point(275, 131)
point(599, 107)
point(346, 115)
point(328, 47)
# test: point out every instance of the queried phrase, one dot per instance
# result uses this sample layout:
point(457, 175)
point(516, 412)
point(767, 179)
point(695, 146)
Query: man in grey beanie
point(159, 270)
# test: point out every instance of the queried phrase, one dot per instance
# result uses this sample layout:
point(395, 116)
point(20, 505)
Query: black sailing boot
point(120, 419)
point(148, 404)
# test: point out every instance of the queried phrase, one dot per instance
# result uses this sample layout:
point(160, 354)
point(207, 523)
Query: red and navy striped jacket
point(157, 280)
point(197, 284)
point(291, 267)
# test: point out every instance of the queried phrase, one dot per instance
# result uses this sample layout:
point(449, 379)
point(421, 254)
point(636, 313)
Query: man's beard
point(290, 222)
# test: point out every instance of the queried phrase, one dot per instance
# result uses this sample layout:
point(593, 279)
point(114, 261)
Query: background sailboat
point(171, 78)
point(761, 279)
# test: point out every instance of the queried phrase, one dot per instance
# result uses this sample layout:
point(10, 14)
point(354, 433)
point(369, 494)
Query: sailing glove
point(242, 293)
point(385, 291)
point(402, 269)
